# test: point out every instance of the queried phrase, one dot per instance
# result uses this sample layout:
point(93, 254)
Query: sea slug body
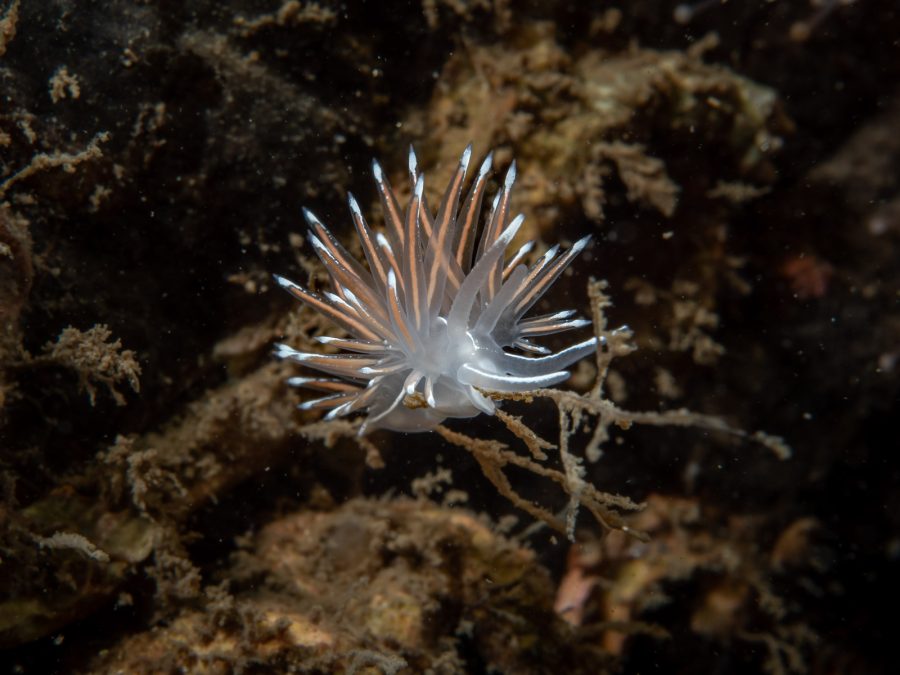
point(434, 310)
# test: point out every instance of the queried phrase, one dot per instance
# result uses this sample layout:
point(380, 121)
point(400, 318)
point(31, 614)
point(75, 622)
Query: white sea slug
point(435, 310)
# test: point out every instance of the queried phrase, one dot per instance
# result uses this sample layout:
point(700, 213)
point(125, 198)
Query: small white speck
point(354, 206)
point(412, 162)
point(510, 177)
point(466, 156)
point(486, 165)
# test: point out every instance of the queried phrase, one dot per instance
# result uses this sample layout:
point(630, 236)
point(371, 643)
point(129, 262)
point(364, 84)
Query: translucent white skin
point(433, 315)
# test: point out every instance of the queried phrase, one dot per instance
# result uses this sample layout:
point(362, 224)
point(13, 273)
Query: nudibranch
point(436, 310)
